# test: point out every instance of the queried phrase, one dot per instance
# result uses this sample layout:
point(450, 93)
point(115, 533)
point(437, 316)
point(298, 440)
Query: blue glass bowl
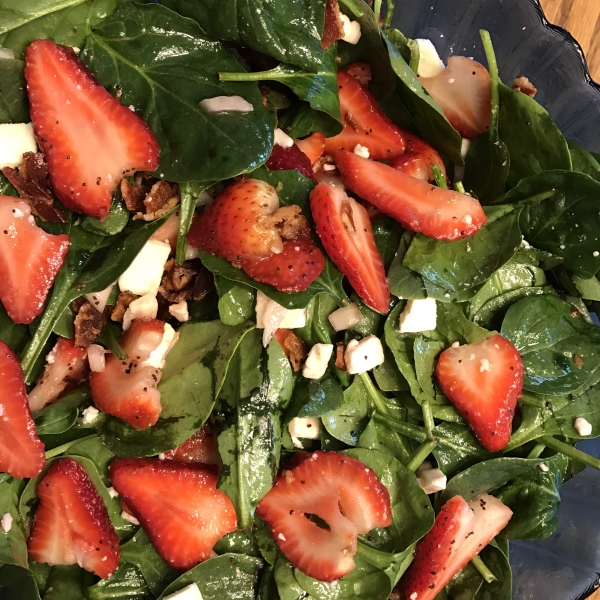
point(565, 566)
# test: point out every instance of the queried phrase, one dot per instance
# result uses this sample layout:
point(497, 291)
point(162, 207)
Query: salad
point(290, 309)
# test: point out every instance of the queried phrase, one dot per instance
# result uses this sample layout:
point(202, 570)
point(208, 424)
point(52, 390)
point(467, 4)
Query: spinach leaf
point(402, 281)
point(236, 301)
point(584, 161)
point(13, 335)
point(453, 326)
point(13, 547)
point(292, 187)
point(497, 561)
point(550, 337)
point(164, 66)
point(560, 215)
point(66, 22)
point(318, 329)
point(534, 142)
point(468, 262)
point(387, 233)
point(18, 583)
point(125, 582)
point(301, 120)
point(117, 219)
point(191, 381)
point(61, 415)
point(14, 106)
point(189, 193)
point(288, 31)
point(588, 289)
point(65, 582)
point(285, 581)
point(315, 398)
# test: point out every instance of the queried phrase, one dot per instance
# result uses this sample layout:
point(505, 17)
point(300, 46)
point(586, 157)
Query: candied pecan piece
point(522, 84)
point(178, 281)
point(88, 324)
point(204, 284)
point(297, 350)
point(288, 221)
point(340, 361)
point(334, 28)
point(163, 196)
point(134, 195)
point(123, 302)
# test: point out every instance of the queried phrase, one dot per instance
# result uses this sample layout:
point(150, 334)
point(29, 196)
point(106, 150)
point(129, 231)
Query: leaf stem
point(355, 10)
point(531, 401)
point(483, 569)
point(536, 451)
point(389, 15)
point(189, 195)
point(570, 451)
point(428, 418)
point(415, 55)
point(459, 187)
point(377, 10)
point(408, 429)
point(244, 76)
point(440, 180)
point(493, 69)
point(64, 447)
point(420, 454)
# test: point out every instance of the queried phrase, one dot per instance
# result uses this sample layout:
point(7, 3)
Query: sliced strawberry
point(361, 71)
point(483, 381)
point(313, 146)
point(419, 206)
point(90, 139)
point(334, 28)
point(200, 448)
point(339, 490)
point(127, 388)
point(66, 367)
point(168, 231)
point(30, 258)
point(463, 91)
point(246, 226)
point(460, 532)
point(417, 159)
point(364, 123)
point(71, 524)
point(345, 231)
point(178, 505)
point(290, 158)
point(21, 450)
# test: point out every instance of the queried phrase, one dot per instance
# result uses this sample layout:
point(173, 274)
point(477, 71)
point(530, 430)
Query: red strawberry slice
point(334, 28)
point(71, 524)
point(419, 206)
point(178, 505)
point(290, 158)
point(21, 450)
point(313, 146)
point(30, 258)
point(66, 367)
point(364, 123)
point(338, 489)
point(417, 159)
point(272, 245)
point(463, 91)
point(90, 139)
point(483, 381)
point(345, 231)
point(361, 71)
point(127, 388)
point(460, 532)
point(200, 448)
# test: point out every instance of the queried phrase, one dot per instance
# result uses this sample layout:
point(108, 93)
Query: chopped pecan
point(163, 196)
point(134, 195)
point(334, 28)
point(178, 281)
point(578, 361)
point(340, 361)
point(123, 302)
point(288, 221)
point(522, 84)
point(30, 179)
point(204, 284)
point(297, 350)
point(88, 323)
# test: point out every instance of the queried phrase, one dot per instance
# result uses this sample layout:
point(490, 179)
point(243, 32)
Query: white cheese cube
point(189, 592)
point(283, 139)
point(89, 415)
point(363, 356)
point(6, 522)
point(294, 318)
point(361, 151)
point(419, 315)
point(15, 140)
point(112, 492)
point(305, 427)
point(430, 63)
point(144, 307)
point(346, 317)
point(99, 299)
point(180, 311)
point(351, 30)
point(158, 356)
point(583, 426)
point(220, 104)
point(317, 361)
point(191, 253)
point(130, 518)
point(144, 274)
point(431, 480)
point(270, 316)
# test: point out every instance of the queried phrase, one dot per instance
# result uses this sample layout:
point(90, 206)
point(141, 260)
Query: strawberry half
point(419, 206)
point(200, 448)
point(313, 146)
point(178, 505)
point(345, 231)
point(417, 159)
point(71, 524)
point(460, 532)
point(21, 450)
point(127, 388)
point(66, 367)
point(364, 123)
point(292, 158)
point(30, 258)
point(246, 226)
point(338, 489)
point(483, 381)
point(463, 91)
point(89, 138)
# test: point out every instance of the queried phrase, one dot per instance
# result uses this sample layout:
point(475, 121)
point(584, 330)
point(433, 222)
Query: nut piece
point(522, 84)
point(88, 324)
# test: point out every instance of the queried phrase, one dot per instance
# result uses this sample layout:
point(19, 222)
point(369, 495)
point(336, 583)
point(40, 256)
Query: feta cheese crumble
point(129, 518)
point(6, 522)
point(352, 31)
point(220, 104)
point(112, 492)
point(361, 151)
point(99, 299)
point(271, 316)
point(430, 63)
point(283, 139)
point(144, 274)
point(346, 317)
point(158, 356)
point(144, 307)
point(180, 311)
point(15, 140)
point(96, 358)
point(317, 361)
point(189, 592)
point(583, 426)
point(89, 415)
point(305, 427)
point(431, 480)
point(419, 315)
point(363, 356)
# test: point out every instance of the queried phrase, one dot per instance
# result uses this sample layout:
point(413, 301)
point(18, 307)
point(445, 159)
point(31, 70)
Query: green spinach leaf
point(14, 106)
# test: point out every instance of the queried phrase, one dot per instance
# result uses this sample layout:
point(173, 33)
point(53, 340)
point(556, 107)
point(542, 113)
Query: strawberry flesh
point(71, 524)
point(30, 259)
point(89, 138)
point(178, 505)
point(313, 146)
point(345, 231)
point(418, 158)
point(361, 71)
point(364, 123)
point(339, 490)
point(21, 450)
point(483, 381)
point(200, 448)
point(127, 388)
point(290, 158)
point(460, 532)
point(419, 206)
